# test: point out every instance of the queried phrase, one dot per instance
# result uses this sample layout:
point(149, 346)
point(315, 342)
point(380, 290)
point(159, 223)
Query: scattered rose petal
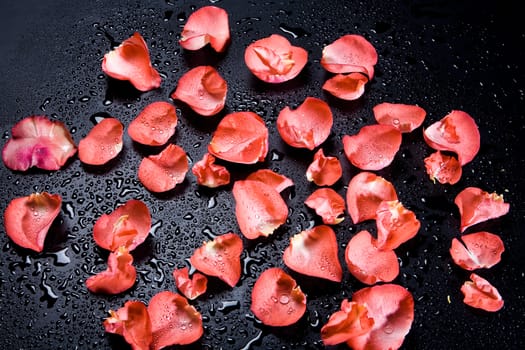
point(395, 224)
point(210, 174)
point(274, 60)
point(27, 219)
point(270, 177)
point(324, 171)
point(392, 309)
point(127, 226)
point(328, 204)
point(277, 300)
point(313, 252)
point(38, 142)
point(154, 125)
point(444, 168)
point(350, 53)
point(369, 264)
point(364, 194)
point(351, 321)
point(118, 277)
point(207, 25)
point(374, 147)
point(479, 293)
point(477, 250)
point(192, 287)
point(102, 143)
point(406, 118)
point(259, 208)
point(240, 137)
point(220, 258)
point(130, 61)
point(456, 132)
point(476, 205)
point(133, 323)
point(164, 171)
point(203, 89)
point(308, 126)
point(347, 87)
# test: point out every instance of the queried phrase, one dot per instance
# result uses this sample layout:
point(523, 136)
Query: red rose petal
point(127, 226)
point(476, 205)
point(220, 258)
point(364, 194)
point(271, 178)
point(274, 60)
point(259, 208)
point(203, 89)
point(240, 137)
point(478, 250)
point(308, 126)
point(162, 172)
point(314, 253)
point(118, 277)
point(351, 321)
point(27, 219)
point(347, 87)
point(38, 142)
point(210, 174)
point(350, 53)
point(277, 300)
point(328, 204)
point(444, 168)
point(130, 61)
point(479, 293)
point(133, 323)
point(456, 132)
point(405, 118)
point(102, 143)
point(392, 308)
point(324, 171)
point(173, 320)
point(369, 264)
point(207, 25)
point(154, 125)
point(374, 147)
point(395, 225)
point(191, 287)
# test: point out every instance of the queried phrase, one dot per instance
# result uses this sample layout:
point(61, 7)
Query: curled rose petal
point(207, 25)
point(328, 204)
point(277, 300)
point(203, 89)
point(350, 53)
point(324, 171)
point(270, 177)
point(314, 253)
point(118, 277)
point(27, 219)
point(405, 118)
point(347, 87)
point(476, 205)
point(392, 309)
point(374, 147)
point(308, 126)
point(240, 137)
point(220, 258)
point(102, 143)
point(162, 172)
point(133, 323)
point(130, 61)
point(154, 125)
point(369, 264)
point(173, 320)
point(364, 194)
point(456, 132)
point(192, 287)
point(127, 226)
point(259, 208)
point(210, 174)
point(274, 60)
point(444, 168)
point(477, 250)
point(351, 321)
point(479, 293)
point(395, 224)
point(38, 142)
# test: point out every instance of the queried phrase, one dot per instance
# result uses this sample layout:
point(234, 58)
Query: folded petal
point(350, 53)
point(351, 321)
point(324, 171)
point(479, 293)
point(270, 177)
point(102, 143)
point(444, 168)
point(395, 224)
point(210, 174)
point(164, 171)
point(133, 323)
point(477, 250)
point(405, 118)
point(476, 205)
point(117, 278)
point(192, 287)
point(347, 87)
point(154, 125)
point(328, 204)
point(207, 25)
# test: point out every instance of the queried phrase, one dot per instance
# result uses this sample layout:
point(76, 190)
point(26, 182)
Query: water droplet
point(388, 329)
point(284, 299)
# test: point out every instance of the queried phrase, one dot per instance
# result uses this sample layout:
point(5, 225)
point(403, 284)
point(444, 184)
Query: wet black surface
point(437, 54)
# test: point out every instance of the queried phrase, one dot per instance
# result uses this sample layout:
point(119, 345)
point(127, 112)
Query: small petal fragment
point(203, 89)
point(314, 253)
point(478, 250)
point(351, 321)
point(119, 276)
point(328, 204)
point(207, 25)
point(164, 171)
point(479, 293)
point(270, 177)
point(191, 287)
point(395, 225)
point(350, 53)
point(277, 300)
point(348, 87)
point(308, 126)
point(102, 143)
point(130, 61)
point(38, 142)
point(324, 171)
point(27, 219)
point(406, 118)
point(476, 205)
point(274, 60)
point(133, 323)
point(374, 147)
point(154, 125)
point(444, 168)
point(210, 174)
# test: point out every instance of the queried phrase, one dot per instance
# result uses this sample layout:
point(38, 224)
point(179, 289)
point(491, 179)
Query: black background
point(437, 54)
